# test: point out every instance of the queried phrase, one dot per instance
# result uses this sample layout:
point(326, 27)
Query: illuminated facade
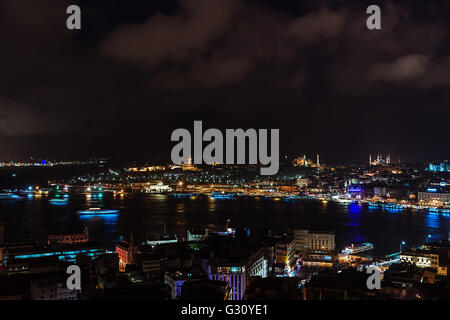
point(304, 162)
point(316, 248)
point(303, 182)
point(305, 240)
point(175, 280)
point(157, 188)
point(196, 235)
point(379, 160)
point(281, 253)
point(257, 265)
point(433, 193)
point(440, 167)
point(126, 252)
point(424, 259)
point(147, 169)
point(234, 275)
point(321, 241)
point(70, 238)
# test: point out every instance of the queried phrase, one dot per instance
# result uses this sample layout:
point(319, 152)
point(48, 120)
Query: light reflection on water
point(212, 205)
point(433, 221)
point(148, 213)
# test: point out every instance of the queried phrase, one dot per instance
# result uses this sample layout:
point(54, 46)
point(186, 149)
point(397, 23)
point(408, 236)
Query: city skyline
point(235, 151)
point(373, 159)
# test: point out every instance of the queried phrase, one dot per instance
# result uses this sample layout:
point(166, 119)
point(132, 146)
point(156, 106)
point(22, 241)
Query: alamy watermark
point(235, 140)
point(74, 280)
point(374, 20)
point(374, 280)
point(73, 21)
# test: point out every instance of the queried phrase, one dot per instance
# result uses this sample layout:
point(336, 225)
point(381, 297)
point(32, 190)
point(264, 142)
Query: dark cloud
point(318, 26)
point(18, 119)
point(403, 68)
point(217, 71)
point(165, 38)
point(136, 72)
point(30, 27)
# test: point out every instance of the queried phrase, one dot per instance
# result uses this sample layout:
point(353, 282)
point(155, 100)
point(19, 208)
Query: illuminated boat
point(97, 211)
point(58, 201)
point(9, 195)
point(343, 200)
point(181, 195)
point(293, 198)
point(222, 195)
point(365, 246)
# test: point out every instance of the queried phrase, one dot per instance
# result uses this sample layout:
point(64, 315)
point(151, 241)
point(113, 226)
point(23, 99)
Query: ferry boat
point(9, 195)
point(386, 205)
point(97, 211)
point(365, 246)
point(223, 195)
point(293, 198)
point(181, 195)
point(58, 201)
point(341, 200)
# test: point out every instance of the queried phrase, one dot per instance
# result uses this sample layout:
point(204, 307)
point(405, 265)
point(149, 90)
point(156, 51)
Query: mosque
point(379, 161)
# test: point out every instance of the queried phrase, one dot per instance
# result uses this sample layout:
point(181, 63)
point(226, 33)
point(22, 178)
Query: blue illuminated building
point(67, 253)
point(355, 189)
point(441, 167)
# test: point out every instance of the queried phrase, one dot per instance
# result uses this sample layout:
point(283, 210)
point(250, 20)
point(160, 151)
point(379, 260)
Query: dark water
point(34, 218)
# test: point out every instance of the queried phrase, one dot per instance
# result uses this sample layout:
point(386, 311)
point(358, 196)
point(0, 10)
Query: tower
point(318, 161)
point(388, 159)
point(370, 159)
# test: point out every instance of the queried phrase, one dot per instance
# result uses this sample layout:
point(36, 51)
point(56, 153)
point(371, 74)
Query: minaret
point(388, 159)
point(370, 159)
point(318, 161)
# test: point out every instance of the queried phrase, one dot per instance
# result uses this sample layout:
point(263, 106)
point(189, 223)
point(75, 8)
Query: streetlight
point(401, 246)
point(428, 238)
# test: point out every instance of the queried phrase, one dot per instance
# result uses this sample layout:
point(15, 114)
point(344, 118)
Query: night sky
point(140, 69)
